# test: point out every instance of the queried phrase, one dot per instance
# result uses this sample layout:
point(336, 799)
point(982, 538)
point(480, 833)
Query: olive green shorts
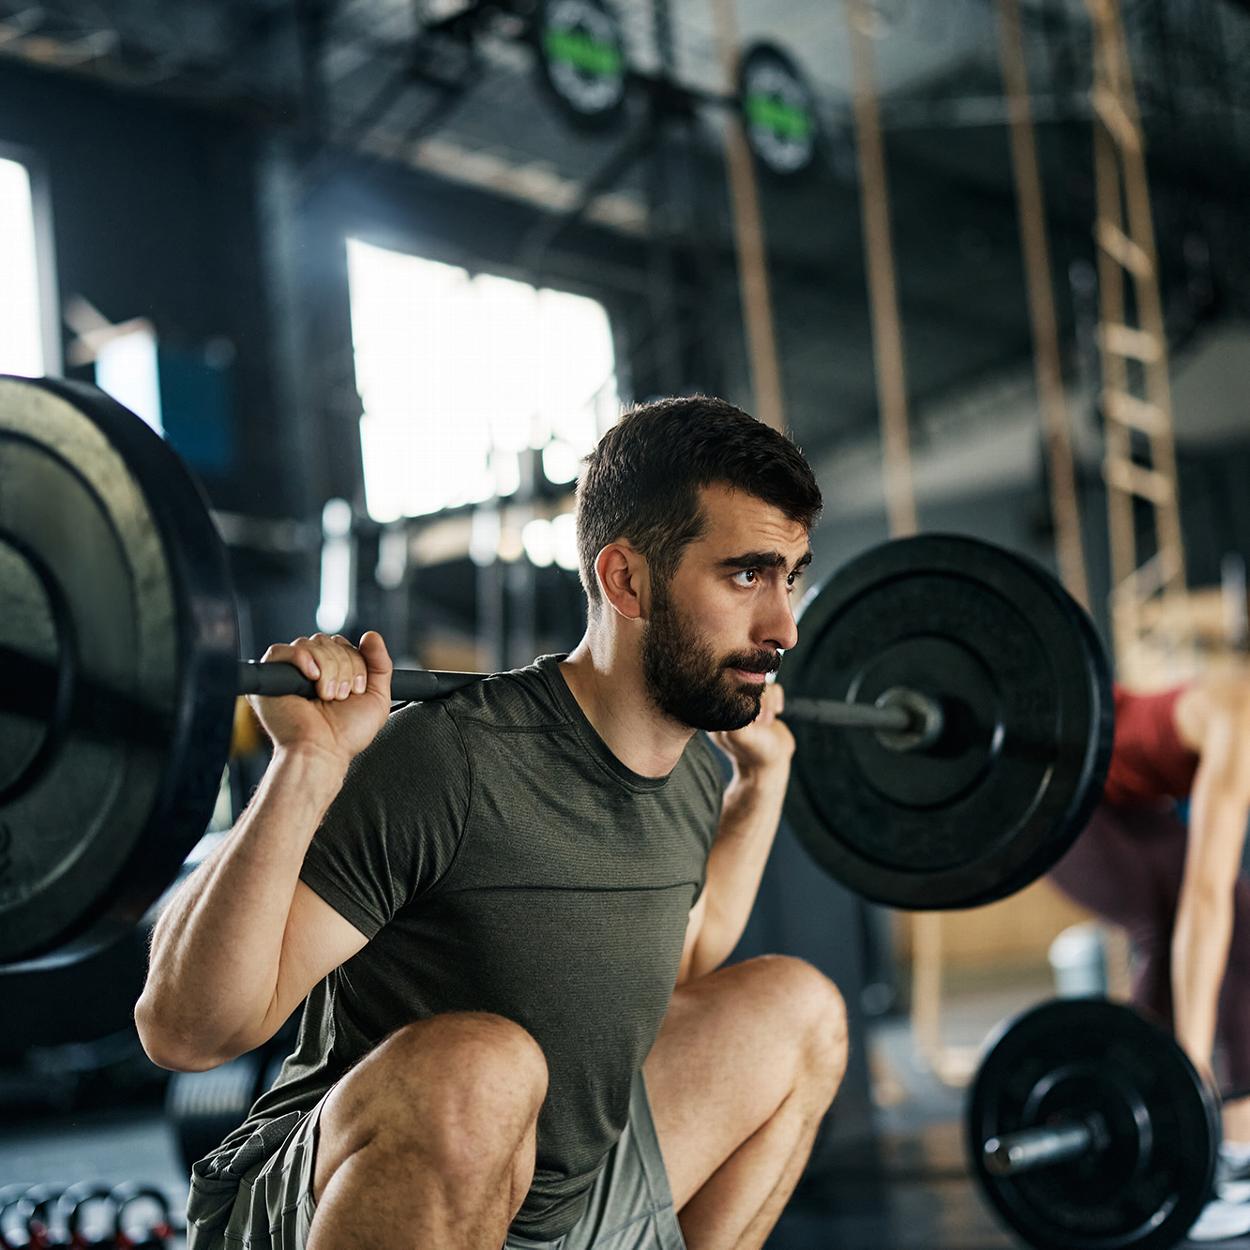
point(264, 1199)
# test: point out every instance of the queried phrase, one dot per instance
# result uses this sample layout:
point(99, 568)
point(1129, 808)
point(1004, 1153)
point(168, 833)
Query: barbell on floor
point(1088, 1128)
point(984, 687)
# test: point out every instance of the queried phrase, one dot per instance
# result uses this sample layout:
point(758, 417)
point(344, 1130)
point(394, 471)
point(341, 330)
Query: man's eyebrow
point(764, 560)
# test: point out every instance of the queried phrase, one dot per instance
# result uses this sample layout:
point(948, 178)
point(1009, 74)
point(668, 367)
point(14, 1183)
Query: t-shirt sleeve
point(396, 824)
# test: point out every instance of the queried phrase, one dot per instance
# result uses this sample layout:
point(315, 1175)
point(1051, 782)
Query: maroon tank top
point(1149, 762)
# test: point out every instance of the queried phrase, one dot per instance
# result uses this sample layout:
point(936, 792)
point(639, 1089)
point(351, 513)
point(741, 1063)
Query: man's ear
point(623, 580)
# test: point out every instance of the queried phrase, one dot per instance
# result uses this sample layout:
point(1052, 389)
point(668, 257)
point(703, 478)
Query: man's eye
point(749, 576)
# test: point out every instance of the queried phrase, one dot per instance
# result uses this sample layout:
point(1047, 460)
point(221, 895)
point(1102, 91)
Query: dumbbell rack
point(1149, 603)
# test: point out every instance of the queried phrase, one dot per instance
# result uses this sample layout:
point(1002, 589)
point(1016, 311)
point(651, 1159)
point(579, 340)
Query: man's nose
point(778, 628)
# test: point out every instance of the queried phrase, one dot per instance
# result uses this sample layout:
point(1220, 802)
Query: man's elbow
point(173, 1050)
point(179, 1061)
point(159, 1044)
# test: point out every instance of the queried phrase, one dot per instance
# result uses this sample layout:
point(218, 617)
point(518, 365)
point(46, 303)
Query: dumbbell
point(1088, 1128)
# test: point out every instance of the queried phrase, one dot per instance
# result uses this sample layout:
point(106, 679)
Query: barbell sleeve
point(1041, 1147)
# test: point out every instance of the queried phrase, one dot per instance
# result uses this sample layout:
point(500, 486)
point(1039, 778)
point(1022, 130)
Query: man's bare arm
point(241, 942)
point(232, 951)
point(748, 828)
point(750, 813)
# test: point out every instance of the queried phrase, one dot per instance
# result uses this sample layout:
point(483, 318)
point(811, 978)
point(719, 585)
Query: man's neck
point(609, 686)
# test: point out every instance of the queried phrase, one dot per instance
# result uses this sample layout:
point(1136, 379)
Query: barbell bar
point(907, 718)
point(1087, 1127)
point(1013, 1154)
point(904, 719)
point(985, 686)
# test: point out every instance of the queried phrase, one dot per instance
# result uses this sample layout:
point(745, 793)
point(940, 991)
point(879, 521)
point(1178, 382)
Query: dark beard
point(688, 683)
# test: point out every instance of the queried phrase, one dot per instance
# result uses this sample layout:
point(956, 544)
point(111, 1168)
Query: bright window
point(21, 346)
point(458, 374)
point(128, 368)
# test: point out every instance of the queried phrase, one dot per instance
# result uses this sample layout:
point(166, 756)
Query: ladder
point(1149, 606)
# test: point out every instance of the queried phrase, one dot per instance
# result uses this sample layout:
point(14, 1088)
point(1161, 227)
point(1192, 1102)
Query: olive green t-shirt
point(502, 859)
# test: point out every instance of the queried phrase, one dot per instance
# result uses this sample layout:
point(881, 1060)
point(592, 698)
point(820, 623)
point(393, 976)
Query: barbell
point(974, 692)
point(1088, 1128)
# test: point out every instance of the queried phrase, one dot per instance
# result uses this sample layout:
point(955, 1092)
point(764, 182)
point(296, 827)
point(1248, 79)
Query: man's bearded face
point(688, 681)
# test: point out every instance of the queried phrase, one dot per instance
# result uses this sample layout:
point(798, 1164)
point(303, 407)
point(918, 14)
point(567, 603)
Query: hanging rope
point(887, 331)
point(757, 311)
point(1035, 249)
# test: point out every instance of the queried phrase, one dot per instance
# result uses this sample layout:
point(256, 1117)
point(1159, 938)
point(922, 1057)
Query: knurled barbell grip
point(276, 678)
point(1044, 1146)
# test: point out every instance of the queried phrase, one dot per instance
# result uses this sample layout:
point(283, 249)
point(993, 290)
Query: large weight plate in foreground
point(118, 630)
point(1074, 1058)
point(1026, 694)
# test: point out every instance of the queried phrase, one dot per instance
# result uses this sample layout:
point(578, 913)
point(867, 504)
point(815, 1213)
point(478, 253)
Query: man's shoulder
point(518, 699)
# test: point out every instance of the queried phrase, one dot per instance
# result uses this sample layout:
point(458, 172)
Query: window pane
point(21, 348)
point(458, 374)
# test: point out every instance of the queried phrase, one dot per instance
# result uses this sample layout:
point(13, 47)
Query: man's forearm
point(216, 949)
point(748, 826)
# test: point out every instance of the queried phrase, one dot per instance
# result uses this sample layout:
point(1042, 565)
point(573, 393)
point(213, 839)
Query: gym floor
point(913, 1196)
point(907, 1190)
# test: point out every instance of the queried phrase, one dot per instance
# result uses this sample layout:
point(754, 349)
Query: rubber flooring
point(906, 1190)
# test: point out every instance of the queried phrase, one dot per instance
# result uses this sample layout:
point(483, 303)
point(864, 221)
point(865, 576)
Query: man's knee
point(478, 1079)
point(460, 1091)
point(815, 1012)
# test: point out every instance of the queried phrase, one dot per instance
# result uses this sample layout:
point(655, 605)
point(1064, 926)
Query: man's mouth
point(755, 671)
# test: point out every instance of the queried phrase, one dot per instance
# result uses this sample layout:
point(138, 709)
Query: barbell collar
point(1013, 1154)
point(274, 679)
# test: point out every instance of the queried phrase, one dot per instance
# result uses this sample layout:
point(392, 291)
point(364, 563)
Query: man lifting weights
point(507, 910)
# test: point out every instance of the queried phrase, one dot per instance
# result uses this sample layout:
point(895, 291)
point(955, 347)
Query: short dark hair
point(642, 481)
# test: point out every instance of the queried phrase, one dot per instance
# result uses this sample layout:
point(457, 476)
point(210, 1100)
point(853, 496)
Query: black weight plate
point(117, 620)
point(778, 111)
point(581, 60)
point(1065, 1060)
point(1026, 694)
